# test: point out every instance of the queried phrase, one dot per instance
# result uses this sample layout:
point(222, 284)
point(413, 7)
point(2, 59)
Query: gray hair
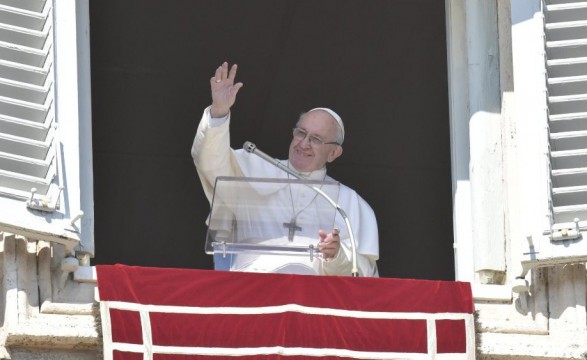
point(339, 137)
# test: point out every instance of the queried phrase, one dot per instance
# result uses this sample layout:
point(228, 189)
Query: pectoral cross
point(292, 227)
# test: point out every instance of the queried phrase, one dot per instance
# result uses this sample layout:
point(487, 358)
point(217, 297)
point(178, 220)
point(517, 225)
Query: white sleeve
point(342, 264)
point(364, 225)
point(216, 122)
point(211, 151)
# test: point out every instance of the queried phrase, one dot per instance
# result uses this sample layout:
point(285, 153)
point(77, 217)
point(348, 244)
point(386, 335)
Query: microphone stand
point(252, 148)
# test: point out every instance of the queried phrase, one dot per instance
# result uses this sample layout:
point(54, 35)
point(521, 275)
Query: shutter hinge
point(565, 231)
point(44, 203)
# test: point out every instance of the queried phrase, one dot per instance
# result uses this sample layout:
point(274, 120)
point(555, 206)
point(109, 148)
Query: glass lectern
point(269, 225)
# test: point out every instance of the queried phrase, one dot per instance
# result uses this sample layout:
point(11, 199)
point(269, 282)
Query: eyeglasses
point(301, 134)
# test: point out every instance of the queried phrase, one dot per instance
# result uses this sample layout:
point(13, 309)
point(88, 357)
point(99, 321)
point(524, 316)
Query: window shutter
point(565, 26)
point(566, 29)
point(39, 183)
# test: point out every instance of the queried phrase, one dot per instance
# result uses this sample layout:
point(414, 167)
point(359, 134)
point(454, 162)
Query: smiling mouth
point(302, 153)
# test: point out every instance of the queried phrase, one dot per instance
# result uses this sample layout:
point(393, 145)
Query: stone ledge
point(55, 337)
point(532, 347)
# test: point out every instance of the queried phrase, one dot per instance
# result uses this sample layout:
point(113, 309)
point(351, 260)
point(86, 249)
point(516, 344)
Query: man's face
point(306, 157)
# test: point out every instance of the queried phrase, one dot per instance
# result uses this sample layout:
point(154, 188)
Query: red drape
point(278, 315)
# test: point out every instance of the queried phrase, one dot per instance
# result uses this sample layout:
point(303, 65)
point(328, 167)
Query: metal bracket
point(44, 203)
point(569, 231)
point(69, 265)
point(72, 226)
point(522, 288)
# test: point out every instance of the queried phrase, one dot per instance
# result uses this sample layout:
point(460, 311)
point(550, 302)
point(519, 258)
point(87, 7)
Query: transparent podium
point(269, 225)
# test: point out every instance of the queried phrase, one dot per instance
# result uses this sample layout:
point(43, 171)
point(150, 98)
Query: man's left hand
point(329, 243)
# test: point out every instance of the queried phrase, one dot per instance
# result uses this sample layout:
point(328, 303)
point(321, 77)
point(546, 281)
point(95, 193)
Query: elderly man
point(317, 140)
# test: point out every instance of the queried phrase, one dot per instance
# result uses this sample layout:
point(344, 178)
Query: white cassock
point(213, 157)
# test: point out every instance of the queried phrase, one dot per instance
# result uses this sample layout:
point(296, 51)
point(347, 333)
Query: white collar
point(319, 174)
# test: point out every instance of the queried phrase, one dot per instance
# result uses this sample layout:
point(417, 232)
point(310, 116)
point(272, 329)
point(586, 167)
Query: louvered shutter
point(566, 51)
point(39, 196)
point(565, 41)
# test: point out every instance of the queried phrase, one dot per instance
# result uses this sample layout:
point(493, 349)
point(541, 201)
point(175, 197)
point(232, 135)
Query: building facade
point(518, 117)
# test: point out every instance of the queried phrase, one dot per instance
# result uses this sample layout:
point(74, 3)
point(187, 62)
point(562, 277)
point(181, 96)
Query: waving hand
point(223, 90)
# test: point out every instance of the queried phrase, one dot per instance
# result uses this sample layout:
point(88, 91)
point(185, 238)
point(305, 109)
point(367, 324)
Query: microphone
point(252, 148)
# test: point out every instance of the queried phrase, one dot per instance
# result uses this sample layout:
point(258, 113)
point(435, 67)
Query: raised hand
point(223, 90)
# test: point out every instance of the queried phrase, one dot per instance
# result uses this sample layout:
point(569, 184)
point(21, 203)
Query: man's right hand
point(223, 90)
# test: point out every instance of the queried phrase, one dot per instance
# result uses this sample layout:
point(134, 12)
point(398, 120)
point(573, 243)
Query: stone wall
point(44, 314)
